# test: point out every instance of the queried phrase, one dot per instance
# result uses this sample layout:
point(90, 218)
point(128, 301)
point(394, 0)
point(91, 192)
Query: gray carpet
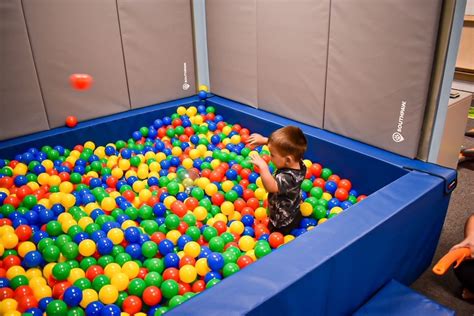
point(446, 289)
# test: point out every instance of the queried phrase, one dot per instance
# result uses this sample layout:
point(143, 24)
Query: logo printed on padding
point(397, 136)
point(185, 73)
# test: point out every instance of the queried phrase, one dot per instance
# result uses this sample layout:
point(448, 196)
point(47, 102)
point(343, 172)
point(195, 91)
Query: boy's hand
point(466, 243)
point(257, 140)
point(258, 161)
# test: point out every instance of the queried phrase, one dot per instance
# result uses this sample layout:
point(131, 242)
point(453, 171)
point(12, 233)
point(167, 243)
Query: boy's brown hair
point(289, 141)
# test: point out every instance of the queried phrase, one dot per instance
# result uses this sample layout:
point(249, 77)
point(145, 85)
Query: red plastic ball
point(275, 239)
point(179, 208)
point(71, 121)
point(132, 305)
point(59, 288)
point(6, 292)
point(186, 260)
point(220, 226)
point(152, 296)
point(94, 271)
point(27, 302)
point(81, 81)
point(341, 194)
point(23, 232)
point(10, 261)
point(171, 274)
point(198, 286)
point(191, 203)
point(345, 184)
point(319, 182)
point(217, 199)
point(23, 290)
point(244, 261)
point(183, 288)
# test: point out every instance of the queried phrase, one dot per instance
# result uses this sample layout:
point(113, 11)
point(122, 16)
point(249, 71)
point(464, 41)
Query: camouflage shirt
point(284, 204)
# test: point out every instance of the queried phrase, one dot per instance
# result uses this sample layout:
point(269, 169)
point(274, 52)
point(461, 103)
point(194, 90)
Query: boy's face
point(278, 159)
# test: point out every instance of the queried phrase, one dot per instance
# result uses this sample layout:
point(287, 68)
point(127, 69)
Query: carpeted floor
point(446, 290)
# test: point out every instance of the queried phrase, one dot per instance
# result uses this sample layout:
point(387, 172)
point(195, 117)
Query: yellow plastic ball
point(227, 185)
point(200, 213)
point(131, 269)
point(108, 294)
point(191, 111)
point(221, 217)
point(88, 296)
point(108, 204)
point(20, 169)
point(48, 270)
point(15, 271)
point(83, 222)
point(260, 194)
point(116, 235)
point(288, 238)
point(26, 247)
point(89, 145)
point(260, 213)
point(37, 282)
point(144, 195)
point(112, 269)
point(120, 281)
point(211, 189)
point(168, 201)
point(187, 163)
point(66, 187)
point(76, 274)
point(235, 217)
point(251, 254)
point(33, 273)
point(124, 164)
point(227, 208)
point(192, 249)
point(10, 240)
point(306, 209)
point(237, 227)
point(203, 87)
point(201, 267)
point(246, 243)
point(173, 235)
point(54, 180)
point(327, 196)
point(322, 220)
point(335, 210)
point(87, 247)
point(187, 273)
point(8, 305)
point(47, 164)
point(42, 292)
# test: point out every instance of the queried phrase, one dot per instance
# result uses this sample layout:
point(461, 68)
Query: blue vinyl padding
point(337, 266)
point(397, 299)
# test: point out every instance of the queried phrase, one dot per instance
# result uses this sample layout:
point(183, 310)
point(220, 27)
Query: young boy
point(465, 271)
point(287, 146)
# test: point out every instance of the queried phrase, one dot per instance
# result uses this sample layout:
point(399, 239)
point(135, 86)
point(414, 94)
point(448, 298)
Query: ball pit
point(145, 224)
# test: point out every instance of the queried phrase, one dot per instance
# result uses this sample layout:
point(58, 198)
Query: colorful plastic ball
point(32, 259)
point(94, 308)
point(108, 294)
point(81, 81)
point(132, 305)
point(169, 288)
point(61, 271)
point(215, 261)
point(110, 310)
point(56, 308)
point(72, 296)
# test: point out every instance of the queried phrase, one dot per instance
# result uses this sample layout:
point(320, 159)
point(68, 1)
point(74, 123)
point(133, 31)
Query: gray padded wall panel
point(380, 57)
point(21, 104)
point(292, 50)
point(69, 36)
point(232, 48)
point(157, 42)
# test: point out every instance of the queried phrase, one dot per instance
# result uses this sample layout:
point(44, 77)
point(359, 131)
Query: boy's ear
point(289, 159)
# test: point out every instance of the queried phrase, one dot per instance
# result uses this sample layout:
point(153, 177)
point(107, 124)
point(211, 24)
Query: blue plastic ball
point(72, 296)
point(215, 261)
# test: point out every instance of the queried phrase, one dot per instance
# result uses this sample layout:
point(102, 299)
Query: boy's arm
point(257, 140)
point(468, 241)
point(268, 180)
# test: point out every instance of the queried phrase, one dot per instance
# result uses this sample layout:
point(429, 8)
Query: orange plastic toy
point(457, 255)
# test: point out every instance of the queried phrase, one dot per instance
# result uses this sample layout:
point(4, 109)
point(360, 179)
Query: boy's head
point(287, 144)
